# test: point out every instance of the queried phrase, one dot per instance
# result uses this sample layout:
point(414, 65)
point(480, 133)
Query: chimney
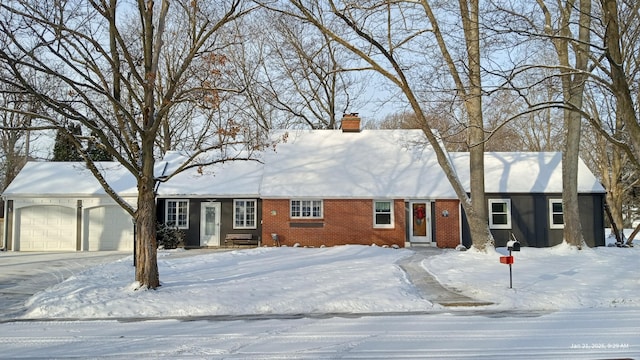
point(350, 122)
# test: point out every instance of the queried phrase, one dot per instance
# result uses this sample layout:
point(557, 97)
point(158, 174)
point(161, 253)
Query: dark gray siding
point(226, 220)
point(530, 220)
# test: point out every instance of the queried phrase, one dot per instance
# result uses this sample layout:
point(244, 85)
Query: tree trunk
point(573, 121)
point(620, 86)
point(478, 220)
point(570, 208)
point(573, 83)
point(611, 171)
point(146, 250)
point(476, 208)
point(146, 242)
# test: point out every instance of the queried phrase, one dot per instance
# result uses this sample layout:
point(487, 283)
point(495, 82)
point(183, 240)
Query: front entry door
point(420, 221)
point(210, 223)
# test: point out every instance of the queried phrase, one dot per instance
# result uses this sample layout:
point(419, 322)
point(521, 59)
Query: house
point(213, 203)
point(315, 188)
point(60, 206)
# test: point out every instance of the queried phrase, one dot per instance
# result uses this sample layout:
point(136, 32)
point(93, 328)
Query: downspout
point(4, 225)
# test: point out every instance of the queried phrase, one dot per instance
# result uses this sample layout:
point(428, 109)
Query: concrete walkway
point(429, 287)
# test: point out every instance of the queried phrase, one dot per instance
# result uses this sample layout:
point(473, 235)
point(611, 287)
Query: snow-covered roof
point(233, 178)
point(318, 164)
point(70, 179)
point(366, 164)
point(524, 172)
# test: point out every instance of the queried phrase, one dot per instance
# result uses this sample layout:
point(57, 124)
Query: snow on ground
point(595, 292)
point(554, 278)
point(282, 280)
point(343, 279)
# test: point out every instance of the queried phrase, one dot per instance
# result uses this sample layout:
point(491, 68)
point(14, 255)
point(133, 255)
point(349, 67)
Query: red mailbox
point(506, 260)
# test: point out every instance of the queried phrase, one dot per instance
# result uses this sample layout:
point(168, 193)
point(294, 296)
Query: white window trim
point(166, 212)
point(551, 213)
point(255, 214)
point(392, 225)
point(500, 226)
point(321, 216)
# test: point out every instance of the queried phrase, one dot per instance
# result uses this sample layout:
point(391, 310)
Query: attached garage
point(61, 207)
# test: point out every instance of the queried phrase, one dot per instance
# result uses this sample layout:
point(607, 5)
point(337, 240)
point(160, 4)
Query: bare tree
point(107, 58)
point(611, 164)
point(14, 144)
point(566, 26)
point(388, 37)
point(621, 39)
point(448, 129)
point(573, 78)
point(620, 44)
point(596, 45)
point(306, 74)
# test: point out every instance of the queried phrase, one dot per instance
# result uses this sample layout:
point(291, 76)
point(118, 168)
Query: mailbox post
point(512, 245)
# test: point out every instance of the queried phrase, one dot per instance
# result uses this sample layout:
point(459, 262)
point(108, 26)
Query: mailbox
point(513, 245)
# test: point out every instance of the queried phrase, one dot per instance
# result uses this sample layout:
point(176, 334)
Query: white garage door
point(46, 228)
point(108, 228)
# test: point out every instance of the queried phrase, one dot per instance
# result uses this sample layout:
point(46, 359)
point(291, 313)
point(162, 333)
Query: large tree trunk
point(620, 86)
point(573, 121)
point(572, 225)
point(476, 208)
point(146, 250)
point(146, 243)
point(573, 83)
point(478, 224)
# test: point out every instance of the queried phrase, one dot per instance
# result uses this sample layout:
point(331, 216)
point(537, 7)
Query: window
point(177, 214)
point(556, 216)
point(500, 213)
point(244, 214)
point(383, 214)
point(307, 209)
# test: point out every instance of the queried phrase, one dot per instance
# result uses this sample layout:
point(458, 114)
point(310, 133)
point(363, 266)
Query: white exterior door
point(420, 221)
point(210, 223)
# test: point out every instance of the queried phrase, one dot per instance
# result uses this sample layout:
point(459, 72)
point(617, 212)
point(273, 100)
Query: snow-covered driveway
point(22, 274)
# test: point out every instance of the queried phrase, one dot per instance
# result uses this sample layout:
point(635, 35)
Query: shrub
point(169, 237)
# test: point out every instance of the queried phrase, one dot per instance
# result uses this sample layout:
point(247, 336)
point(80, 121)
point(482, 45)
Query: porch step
point(421, 244)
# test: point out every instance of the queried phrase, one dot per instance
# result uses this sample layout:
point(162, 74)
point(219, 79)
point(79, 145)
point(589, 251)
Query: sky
point(261, 293)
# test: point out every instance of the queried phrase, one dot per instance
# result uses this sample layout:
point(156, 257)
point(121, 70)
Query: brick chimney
point(350, 122)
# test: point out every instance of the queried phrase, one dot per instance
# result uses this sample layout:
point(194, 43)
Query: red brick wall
point(344, 222)
point(447, 234)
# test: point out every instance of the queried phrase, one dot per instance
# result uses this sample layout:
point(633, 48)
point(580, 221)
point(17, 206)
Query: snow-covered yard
point(564, 304)
point(347, 279)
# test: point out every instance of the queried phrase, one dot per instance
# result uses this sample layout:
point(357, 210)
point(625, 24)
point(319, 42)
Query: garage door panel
point(108, 228)
point(46, 228)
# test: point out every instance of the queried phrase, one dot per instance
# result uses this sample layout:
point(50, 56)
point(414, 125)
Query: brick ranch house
point(316, 188)
point(383, 187)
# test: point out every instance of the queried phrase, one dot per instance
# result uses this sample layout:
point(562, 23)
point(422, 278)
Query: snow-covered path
point(575, 334)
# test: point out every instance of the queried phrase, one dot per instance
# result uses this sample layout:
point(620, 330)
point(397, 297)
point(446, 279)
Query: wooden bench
point(240, 239)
